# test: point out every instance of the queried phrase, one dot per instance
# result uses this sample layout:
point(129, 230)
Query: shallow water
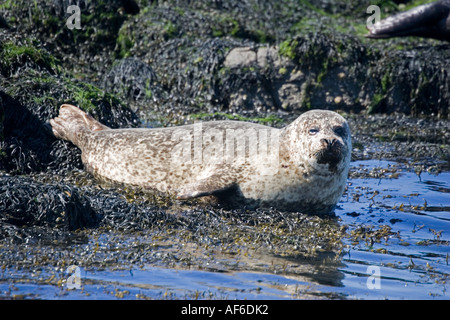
point(416, 264)
point(407, 256)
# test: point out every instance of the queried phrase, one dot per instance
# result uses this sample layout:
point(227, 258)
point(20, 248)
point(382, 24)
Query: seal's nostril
point(332, 142)
point(328, 142)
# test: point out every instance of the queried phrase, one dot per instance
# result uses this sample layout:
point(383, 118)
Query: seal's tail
point(72, 123)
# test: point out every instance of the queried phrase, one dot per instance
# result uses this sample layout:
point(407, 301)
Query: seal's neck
point(289, 146)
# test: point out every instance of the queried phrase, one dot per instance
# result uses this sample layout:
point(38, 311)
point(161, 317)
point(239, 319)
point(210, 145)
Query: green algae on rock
point(33, 87)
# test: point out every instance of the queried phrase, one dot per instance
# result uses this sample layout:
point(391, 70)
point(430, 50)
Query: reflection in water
point(436, 186)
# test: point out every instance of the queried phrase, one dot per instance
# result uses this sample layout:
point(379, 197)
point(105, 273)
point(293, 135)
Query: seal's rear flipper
point(72, 122)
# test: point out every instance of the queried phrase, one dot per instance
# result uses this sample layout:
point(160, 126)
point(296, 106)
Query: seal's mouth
point(331, 153)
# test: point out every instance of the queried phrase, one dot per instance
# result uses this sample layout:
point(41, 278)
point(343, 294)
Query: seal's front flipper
point(211, 185)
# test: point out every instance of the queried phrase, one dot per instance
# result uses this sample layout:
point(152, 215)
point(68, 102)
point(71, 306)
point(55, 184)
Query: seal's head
point(320, 139)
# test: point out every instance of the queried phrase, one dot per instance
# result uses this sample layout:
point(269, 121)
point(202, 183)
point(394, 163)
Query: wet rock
point(263, 56)
point(268, 56)
point(3, 23)
point(24, 202)
point(130, 6)
point(90, 47)
point(135, 81)
point(331, 65)
point(411, 81)
point(33, 89)
point(190, 46)
point(239, 57)
point(2, 117)
point(401, 138)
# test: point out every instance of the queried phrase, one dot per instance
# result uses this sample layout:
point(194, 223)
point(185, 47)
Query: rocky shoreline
point(161, 63)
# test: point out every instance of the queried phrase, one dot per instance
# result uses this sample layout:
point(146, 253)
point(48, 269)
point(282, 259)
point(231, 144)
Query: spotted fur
point(302, 167)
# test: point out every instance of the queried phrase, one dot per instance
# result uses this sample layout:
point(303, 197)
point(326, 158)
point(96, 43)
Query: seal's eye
point(340, 131)
point(313, 131)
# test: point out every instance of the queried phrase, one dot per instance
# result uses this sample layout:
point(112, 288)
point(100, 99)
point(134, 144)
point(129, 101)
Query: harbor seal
point(301, 167)
point(430, 20)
